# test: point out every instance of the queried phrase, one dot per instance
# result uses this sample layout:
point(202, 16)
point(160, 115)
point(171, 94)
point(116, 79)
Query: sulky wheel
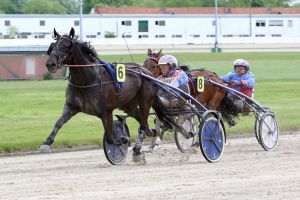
point(258, 116)
point(268, 131)
point(211, 138)
point(116, 154)
point(256, 126)
point(190, 124)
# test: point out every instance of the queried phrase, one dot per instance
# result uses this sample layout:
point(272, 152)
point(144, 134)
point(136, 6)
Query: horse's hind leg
point(68, 113)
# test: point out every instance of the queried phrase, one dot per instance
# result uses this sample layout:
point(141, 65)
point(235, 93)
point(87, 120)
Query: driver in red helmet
point(177, 78)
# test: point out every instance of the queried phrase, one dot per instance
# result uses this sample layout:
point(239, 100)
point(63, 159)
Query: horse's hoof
point(45, 149)
point(137, 148)
point(139, 157)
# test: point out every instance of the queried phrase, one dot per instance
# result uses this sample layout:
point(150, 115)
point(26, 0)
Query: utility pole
point(81, 4)
point(216, 47)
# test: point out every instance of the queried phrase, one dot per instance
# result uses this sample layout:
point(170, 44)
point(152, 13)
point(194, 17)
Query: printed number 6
point(121, 71)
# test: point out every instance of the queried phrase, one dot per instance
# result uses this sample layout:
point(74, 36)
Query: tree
point(297, 5)
point(12, 31)
point(8, 7)
point(43, 7)
point(258, 3)
point(71, 6)
point(87, 6)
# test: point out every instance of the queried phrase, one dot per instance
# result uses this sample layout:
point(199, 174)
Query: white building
point(156, 28)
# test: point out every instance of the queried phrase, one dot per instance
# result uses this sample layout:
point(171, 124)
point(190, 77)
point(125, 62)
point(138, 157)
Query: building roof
point(193, 10)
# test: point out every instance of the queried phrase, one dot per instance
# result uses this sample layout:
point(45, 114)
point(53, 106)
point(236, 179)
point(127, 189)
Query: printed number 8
point(200, 84)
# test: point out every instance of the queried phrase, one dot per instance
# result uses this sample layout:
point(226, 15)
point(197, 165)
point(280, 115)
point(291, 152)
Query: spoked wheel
point(256, 126)
point(116, 154)
point(211, 138)
point(258, 117)
point(190, 124)
point(268, 131)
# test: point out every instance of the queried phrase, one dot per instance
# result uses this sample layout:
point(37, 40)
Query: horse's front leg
point(68, 113)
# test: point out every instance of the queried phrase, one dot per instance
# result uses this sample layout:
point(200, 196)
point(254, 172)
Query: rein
point(90, 65)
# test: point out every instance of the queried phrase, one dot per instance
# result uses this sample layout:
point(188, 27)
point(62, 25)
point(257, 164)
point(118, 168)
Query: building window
point(30, 66)
point(213, 23)
point(143, 36)
point(7, 23)
point(290, 23)
point(260, 23)
point(244, 35)
point(126, 36)
point(160, 36)
point(160, 23)
point(227, 35)
point(126, 23)
point(143, 26)
point(276, 23)
point(76, 23)
point(42, 22)
point(91, 36)
point(259, 35)
point(176, 36)
point(276, 35)
point(210, 35)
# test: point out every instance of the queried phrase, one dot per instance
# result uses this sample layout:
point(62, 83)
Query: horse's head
point(59, 52)
point(151, 63)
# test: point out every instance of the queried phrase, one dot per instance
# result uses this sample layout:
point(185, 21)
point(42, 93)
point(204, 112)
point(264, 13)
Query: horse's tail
point(227, 108)
point(162, 113)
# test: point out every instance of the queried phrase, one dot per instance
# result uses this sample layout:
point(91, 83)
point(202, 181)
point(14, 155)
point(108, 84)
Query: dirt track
point(245, 171)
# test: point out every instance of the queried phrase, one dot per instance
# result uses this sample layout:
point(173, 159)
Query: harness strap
point(84, 86)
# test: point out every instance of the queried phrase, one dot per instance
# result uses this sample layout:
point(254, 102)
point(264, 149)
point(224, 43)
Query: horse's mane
point(88, 50)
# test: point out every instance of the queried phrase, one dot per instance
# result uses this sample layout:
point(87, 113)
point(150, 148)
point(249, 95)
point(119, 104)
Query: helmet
point(241, 62)
point(168, 59)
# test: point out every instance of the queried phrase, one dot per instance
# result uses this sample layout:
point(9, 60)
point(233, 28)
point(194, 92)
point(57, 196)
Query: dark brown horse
point(92, 91)
point(212, 97)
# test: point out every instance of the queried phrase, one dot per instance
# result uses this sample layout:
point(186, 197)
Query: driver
point(242, 80)
point(177, 78)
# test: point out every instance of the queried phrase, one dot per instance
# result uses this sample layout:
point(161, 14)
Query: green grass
point(29, 109)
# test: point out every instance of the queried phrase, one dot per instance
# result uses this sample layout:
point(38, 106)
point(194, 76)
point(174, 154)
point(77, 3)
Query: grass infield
point(29, 109)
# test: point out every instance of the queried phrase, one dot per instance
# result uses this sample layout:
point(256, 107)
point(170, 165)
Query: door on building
point(143, 26)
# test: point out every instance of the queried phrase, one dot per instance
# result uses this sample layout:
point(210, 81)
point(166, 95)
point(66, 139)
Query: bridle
point(148, 62)
point(62, 56)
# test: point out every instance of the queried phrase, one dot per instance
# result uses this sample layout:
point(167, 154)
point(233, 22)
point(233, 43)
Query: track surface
point(245, 171)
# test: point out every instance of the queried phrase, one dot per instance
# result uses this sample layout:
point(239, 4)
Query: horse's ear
point(149, 52)
point(159, 53)
point(56, 35)
point(72, 33)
